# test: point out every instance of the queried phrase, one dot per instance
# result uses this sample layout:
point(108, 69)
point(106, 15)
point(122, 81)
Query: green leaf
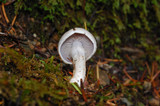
point(116, 4)
point(79, 3)
point(89, 8)
point(77, 88)
point(137, 24)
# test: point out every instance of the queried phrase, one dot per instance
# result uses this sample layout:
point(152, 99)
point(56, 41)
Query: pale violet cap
point(66, 41)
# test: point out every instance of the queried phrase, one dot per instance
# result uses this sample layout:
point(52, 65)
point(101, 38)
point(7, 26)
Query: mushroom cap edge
point(70, 33)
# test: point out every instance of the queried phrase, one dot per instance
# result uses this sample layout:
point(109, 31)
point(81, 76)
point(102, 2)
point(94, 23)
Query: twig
point(85, 25)
point(111, 79)
point(7, 46)
point(4, 13)
point(11, 45)
point(141, 80)
point(153, 69)
point(70, 73)
point(108, 94)
point(13, 21)
point(130, 60)
point(10, 2)
point(154, 77)
point(98, 83)
point(17, 24)
point(103, 88)
point(124, 70)
point(88, 71)
point(110, 101)
point(1, 33)
point(157, 93)
point(131, 84)
point(83, 92)
point(114, 60)
point(149, 70)
point(3, 18)
point(2, 46)
point(97, 70)
point(7, 20)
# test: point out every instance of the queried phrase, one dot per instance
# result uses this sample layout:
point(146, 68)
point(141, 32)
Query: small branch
point(85, 25)
point(124, 70)
point(4, 13)
point(13, 21)
point(70, 73)
point(1, 33)
point(157, 93)
point(3, 18)
point(130, 60)
point(88, 71)
point(110, 101)
point(97, 70)
point(154, 77)
point(131, 84)
point(7, 20)
point(153, 69)
point(8, 3)
point(149, 70)
point(114, 81)
point(83, 92)
point(114, 60)
point(103, 88)
point(144, 73)
point(8, 46)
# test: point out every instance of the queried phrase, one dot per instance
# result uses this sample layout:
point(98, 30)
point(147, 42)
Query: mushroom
point(75, 47)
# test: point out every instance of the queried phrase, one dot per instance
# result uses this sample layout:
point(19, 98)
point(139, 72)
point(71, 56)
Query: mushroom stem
point(79, 62)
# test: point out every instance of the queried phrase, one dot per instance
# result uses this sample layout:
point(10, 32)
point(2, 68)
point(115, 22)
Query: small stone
point(154, 102)
point(76, 98)
point(17, 49)
point(45, 28)
point(43, 50)
point(51, 46)
point(147, 86)
point(33, 42)
point(31, 46)
point(32, 19)
point(38, 43)
point(35, 35)
point(55, 37)
point(125, 100)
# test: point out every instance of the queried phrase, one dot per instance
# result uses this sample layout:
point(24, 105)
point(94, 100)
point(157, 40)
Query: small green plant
point(77, 88)
point(3, 1)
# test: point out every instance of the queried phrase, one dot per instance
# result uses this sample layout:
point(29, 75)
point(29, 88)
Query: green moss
point(30, 81)
point(118, 23)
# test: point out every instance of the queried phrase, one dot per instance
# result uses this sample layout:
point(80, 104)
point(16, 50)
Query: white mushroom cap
point(80, 34)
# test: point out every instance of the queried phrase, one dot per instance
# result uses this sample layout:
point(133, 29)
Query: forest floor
point(32, 73)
